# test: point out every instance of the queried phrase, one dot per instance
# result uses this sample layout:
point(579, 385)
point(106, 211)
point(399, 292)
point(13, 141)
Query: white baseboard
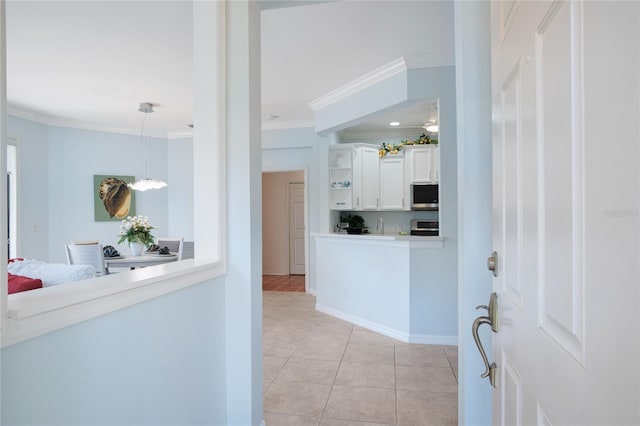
point(264, 272)
point(424, 339)
point(427, 339)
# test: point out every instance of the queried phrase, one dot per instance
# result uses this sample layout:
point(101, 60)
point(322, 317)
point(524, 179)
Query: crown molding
point(292, 124)
point(395, 67)
point(49, 120)
point(180, 135)
point(75, 124)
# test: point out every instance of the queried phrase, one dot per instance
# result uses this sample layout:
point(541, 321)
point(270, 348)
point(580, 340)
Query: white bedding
point(51, 273)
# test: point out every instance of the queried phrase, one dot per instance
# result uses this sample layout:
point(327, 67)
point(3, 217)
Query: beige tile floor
point(322, 371)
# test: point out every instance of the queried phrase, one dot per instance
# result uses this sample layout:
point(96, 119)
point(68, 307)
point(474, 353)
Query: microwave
point(425, 196)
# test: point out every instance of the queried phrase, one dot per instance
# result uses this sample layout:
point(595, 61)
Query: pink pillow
point(18, 283)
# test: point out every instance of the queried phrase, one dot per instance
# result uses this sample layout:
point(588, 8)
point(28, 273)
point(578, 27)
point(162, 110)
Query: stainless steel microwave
point(425, 196)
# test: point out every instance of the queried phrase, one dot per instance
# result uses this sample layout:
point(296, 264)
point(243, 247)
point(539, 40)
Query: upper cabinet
point(341, 162)
point(393, 185)
point(423, 163)
point(368, 190)
point(361, 180)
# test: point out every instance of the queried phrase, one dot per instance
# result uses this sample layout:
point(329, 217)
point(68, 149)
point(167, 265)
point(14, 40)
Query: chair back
point(87, 254)
point(173, 244)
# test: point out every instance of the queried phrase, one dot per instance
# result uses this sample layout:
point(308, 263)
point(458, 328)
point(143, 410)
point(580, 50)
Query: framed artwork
point(113, 200)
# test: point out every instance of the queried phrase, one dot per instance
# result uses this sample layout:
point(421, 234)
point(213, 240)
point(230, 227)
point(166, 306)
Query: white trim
point(37, 312)
point(75, 124)
point(431, 60)
point(378, 328)
point(427, 339)
point(291, 124)
point(180, 135)
point(15, 142)
point(387, 331)
point(378, 75)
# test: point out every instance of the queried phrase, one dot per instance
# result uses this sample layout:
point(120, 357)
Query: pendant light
point(145, 183)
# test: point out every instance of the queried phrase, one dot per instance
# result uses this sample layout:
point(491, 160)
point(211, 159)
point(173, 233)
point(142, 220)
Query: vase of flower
point(136, 231)
point(136, 248)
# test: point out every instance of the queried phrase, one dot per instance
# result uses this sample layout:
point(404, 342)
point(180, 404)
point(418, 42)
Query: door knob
point(492, 319)
point(492, 263)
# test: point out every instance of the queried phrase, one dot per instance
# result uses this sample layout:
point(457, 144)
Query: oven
point(425, 228)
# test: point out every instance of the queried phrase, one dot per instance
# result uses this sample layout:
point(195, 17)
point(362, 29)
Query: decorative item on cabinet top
point(397, 147)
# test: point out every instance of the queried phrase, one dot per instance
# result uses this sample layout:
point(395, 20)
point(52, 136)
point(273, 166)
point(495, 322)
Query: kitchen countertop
point(413, 240)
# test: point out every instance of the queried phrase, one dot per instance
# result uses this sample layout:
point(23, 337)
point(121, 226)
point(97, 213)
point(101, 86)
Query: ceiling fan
point(431, 127)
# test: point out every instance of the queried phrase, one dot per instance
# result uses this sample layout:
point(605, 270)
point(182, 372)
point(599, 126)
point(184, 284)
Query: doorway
point(284, 231)
point(12, 198)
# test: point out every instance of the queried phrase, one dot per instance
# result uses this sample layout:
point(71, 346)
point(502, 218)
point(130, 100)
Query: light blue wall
point(473, 82)
point(33, 187)
point(56, 171)
point(434, 272)
point(434, 275)
point(76, 155)
point(180, 190)
point(161, 362)
point(434, 292)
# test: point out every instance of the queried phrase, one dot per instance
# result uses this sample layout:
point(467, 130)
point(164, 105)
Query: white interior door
point(566, 184)
point(296, 228)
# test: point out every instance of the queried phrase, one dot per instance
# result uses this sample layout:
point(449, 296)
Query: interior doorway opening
point(284, 231)
point(12, 199)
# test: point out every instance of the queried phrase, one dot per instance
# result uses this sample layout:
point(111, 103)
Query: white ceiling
point(89, 64)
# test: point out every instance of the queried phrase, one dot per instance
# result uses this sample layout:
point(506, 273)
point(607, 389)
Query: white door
point(296, 228)
point(566, 184)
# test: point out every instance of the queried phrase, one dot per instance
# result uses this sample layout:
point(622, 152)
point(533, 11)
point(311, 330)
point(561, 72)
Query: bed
point(30, 274)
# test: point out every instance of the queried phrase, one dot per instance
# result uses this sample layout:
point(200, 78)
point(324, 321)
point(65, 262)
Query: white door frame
point(15, 208)
point(288, 183)
point(304, 169)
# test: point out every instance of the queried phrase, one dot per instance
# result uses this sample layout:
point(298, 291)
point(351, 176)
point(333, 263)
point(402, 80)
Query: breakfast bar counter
point(371, 280)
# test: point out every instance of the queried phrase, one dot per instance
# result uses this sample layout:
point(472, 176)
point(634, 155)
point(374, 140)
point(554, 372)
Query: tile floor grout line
point(395, 381)
point(335, 377)
point(290, 323)
point(450, 365)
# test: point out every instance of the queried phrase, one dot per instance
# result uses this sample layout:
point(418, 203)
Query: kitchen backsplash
point(391, 219)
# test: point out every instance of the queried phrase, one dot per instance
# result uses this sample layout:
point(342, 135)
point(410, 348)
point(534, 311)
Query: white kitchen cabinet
point(392, 183)
point(360, 180)
point(368, 186)
point(341, 172)
point(423, 162)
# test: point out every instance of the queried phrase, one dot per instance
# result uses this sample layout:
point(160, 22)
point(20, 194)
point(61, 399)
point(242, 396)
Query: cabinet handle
point(377, 202)
point(357, 201)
